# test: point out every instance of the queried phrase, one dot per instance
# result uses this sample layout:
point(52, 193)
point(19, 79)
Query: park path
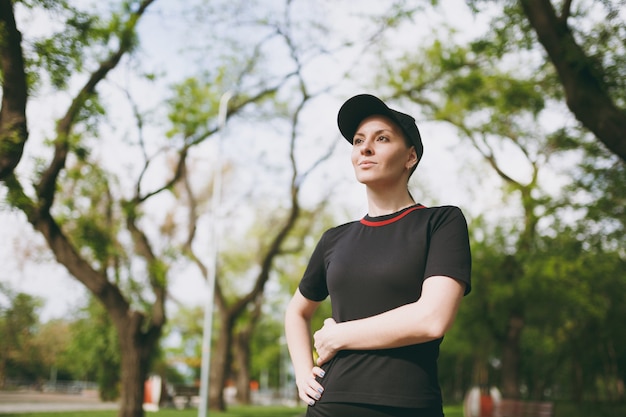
point(15, 402)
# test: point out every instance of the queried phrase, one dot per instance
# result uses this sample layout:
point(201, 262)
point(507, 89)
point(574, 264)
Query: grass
point(567, 409)
point(453, 411)
point(589, 409)
point(562, 410)
point(241, 411)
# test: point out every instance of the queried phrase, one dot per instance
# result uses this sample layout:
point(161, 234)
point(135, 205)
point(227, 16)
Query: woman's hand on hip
point(326, 341)
point(309, 390)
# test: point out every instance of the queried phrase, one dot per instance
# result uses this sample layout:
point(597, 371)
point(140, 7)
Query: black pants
point(322, 409)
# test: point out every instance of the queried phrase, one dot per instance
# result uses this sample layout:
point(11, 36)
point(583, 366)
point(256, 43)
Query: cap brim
point(361, 106)
point(357, 108)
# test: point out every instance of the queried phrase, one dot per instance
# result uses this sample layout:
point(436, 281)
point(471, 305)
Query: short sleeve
point(449, 249)
point(313, 284)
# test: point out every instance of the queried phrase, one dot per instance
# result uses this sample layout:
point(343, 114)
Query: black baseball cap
point(361, 106)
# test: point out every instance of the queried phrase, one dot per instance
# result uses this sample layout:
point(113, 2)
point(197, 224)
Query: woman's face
point(380, 155)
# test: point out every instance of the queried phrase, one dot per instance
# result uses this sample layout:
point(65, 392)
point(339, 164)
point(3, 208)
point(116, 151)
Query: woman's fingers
point(324, 341)
point(312, 390)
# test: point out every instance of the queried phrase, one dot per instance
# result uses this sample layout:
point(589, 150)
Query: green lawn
point(232, 412)
point(589, 409)
point(562, 410)
point(257, 411)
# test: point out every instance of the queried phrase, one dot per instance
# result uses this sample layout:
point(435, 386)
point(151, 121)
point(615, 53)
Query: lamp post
point(207, 328)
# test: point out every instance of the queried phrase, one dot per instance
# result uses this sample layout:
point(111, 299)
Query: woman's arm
point(422, 321)
point(298, 334)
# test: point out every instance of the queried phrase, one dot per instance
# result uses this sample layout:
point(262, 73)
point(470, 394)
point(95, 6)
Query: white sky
point(447, 175)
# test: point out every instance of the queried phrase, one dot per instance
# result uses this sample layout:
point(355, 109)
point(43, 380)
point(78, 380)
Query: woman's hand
point(325, 341)
point(309, 390)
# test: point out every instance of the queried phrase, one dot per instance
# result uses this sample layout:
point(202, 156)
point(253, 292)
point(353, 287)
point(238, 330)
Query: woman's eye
point(383, 138)
point(357, 141)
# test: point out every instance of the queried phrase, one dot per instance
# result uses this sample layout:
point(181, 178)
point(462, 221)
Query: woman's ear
point(412, 160)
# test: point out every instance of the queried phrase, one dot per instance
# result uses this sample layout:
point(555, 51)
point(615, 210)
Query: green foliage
point(495, 90)
point(17, 198)
point(509, 31)
point(568, 282)
point(94, 349)
point(54, 5)
point(600, 181)
point(157, 270)
point(19, 356)
point(86, 212)
point(77, 38)
point(87, 122)
point(582, 282)
point(602, 39)
point(269, 355)
point(63, 54)
point(569, 293)
point(51, 340)
point(185, 325)
point(194, 104)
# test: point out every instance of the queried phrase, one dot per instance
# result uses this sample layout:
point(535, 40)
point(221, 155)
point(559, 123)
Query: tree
point(50, 341)
point(584, 44)
point(232, 308)
point(239, 311)
point(493, 91)
point(599, 179)
point(95, 218)
point(138, 332)
point(95, 228)
point(491, 109)
point(186, 326)
point(597, 239)
point(591, 82)
point(13, 129)
point(94, 350)
point(18, 325)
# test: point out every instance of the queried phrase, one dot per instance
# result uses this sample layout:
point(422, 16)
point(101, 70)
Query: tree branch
point(586, 94)
point(46, 187)
point(157, 270)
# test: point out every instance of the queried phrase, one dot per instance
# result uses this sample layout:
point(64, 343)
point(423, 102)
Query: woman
point(395, 279)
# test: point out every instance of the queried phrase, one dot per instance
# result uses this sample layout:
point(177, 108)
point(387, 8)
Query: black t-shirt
point(372, 266)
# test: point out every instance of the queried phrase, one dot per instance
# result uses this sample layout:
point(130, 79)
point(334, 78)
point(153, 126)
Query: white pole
point(207, 329)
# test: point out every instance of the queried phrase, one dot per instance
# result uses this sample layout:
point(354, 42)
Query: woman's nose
point(366, 149)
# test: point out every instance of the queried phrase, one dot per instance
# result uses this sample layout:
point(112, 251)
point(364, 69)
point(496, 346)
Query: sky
point(445, 176)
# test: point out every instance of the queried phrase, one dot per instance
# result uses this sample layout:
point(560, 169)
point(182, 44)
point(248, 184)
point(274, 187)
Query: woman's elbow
point(438, 327)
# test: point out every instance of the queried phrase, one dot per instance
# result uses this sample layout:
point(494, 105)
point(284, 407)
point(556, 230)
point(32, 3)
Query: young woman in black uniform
point(395, 279)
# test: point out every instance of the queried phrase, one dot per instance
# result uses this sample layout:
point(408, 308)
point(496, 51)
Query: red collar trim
point(366, 222)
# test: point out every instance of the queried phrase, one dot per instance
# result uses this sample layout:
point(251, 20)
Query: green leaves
point(19, 323)
point(77, 38)
point(194, 106)
point(87, 213)
point(62, 53)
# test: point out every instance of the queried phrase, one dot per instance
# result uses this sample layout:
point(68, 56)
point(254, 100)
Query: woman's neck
point(382, 203)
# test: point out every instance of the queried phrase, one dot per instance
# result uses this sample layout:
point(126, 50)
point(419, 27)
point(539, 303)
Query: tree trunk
point(135, 348)
point(220, 361)
point(13, 130)
point(577, 381)
point(2, 370)
point(511, 357)
point(242, 359)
